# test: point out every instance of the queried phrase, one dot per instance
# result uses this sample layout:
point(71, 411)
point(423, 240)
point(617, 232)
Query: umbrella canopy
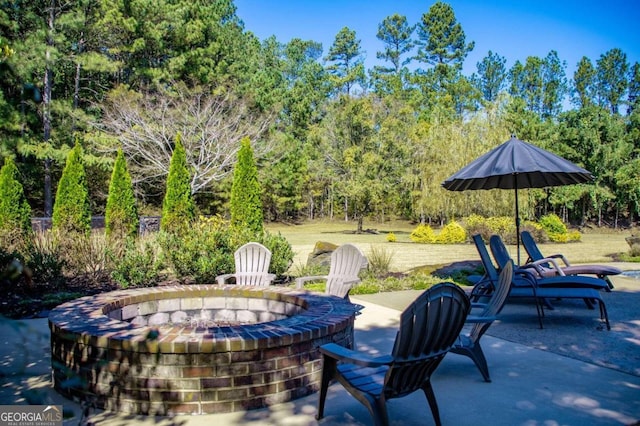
point(516, 164)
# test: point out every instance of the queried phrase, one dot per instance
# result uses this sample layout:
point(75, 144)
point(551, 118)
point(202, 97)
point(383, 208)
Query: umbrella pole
point(517, 221)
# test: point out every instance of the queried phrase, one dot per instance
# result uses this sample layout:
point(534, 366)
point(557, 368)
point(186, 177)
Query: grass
point(596, 246)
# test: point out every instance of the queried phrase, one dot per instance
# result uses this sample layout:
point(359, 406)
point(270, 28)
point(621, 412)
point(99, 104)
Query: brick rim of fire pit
point(85, 336)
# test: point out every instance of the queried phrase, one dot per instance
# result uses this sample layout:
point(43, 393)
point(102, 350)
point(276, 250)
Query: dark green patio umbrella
point(514, 165)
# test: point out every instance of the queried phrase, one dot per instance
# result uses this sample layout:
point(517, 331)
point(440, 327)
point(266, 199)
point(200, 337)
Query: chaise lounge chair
point(548, 265)
point(501, 255)
point(525, 284)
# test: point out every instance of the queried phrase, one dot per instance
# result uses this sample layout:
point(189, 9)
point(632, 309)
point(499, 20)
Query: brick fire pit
point(194, 349)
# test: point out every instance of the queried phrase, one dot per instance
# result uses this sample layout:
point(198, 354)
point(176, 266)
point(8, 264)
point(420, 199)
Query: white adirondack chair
point(252, 266)
point(346, 262)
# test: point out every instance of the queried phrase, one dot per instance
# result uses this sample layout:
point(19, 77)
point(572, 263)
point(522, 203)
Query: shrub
point(71, 210)
point(246, 192)
point(15, 212)
point(281, 252)
point(178, 207)
point(44, 260)
point(200, 252)
point(391, 237)
point(504, 226)
point(206, 250)
point(303, 269)
point(552, 224)
point(11, 269)
point(537, 232)
point(84, 255)
point(574, 236)
point(452, 233)
point(121, 215)
point(476, 224)
point(379, 261)
point(139, 266)
point(422, 234)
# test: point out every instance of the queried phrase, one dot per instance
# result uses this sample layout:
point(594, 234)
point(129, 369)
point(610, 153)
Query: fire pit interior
point(194, 349)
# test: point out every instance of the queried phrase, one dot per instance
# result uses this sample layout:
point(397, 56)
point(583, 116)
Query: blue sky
point(514, 29)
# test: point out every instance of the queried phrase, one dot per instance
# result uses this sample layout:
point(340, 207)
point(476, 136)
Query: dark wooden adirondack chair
point(469, 344)
point(428, 329)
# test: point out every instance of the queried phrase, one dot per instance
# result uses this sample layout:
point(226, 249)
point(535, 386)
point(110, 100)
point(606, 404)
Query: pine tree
point(71, 210)
point(246, 192)
point(178, 207)
point(121, 215)
point(15, 212)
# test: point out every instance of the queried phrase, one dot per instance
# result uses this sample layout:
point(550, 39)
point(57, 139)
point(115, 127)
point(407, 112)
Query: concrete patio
point(530, 386)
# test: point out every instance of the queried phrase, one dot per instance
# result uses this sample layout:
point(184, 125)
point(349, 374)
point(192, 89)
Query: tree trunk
point(46, 115)
point(599, 216)
point(346, 210)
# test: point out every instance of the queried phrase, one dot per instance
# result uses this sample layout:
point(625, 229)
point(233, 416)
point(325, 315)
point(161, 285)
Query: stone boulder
point(321, 254)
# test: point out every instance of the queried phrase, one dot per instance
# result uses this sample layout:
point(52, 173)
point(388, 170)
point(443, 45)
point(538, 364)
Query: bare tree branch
point(211, 126)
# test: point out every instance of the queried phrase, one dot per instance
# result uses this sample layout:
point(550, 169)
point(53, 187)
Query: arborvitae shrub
point(246, 192)
point(121, 215)
point(452, 233)
point(15, 212)
point(422, 234)
point(178, 207)
point(71, 210)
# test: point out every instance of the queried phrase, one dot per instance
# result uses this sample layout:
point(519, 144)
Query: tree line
point(331, 138)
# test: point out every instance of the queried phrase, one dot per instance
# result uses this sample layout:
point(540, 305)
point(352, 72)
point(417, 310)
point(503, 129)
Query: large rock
point(321, 254)
point(633, 240)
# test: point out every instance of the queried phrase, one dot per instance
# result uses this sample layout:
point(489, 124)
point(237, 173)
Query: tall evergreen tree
point(441, 38)
point(246, 192)
point(308, 86)
point(178, 207)
point(348, 61)
point(442, 44)
point(634, 88)
point(554, 85)
point(121, 215)
point(492, 75)
point(15, 212)
point(612, 68)
point(395, 32)
point(584, 84)
point(72, 210)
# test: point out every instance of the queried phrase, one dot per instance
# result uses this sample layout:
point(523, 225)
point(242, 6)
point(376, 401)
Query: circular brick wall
point(107, 351)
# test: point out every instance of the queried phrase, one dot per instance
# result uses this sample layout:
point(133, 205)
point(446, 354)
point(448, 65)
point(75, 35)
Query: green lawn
point(595, 247)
